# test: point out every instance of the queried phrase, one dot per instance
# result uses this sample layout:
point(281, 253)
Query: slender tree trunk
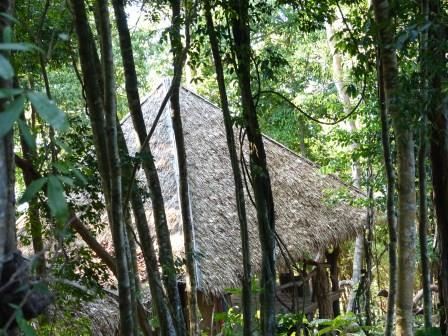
point(390, 205)
point(368, 239)
point(127, 320)
point(338, 79)
point(188, 226)
point(322, 290)
point(146, 244)
point(106, 143)
point(161, 225)
point(332, 259)
point(239, 188)
point(422, 154)
point(8, 241)
point(258, 167)
point(438, 117)
point(423, 224)
point(406, 169)
point(33, 211)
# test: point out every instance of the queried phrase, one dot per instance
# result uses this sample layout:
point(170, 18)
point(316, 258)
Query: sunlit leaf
point(66, 180)
point(56, 198)
point(79, 177)
point(48, 110)
point(32, 190)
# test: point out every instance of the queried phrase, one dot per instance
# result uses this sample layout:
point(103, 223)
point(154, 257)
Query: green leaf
point(6, 93)
point(41, 287)
point(10, 115)
point(79, 177)
point(17, 46)
point(29, 138)
point(61, 167)
point(66, 180)
point(56, 199)
point(24, 327)
point(32, 190)
point(6, 70)
point(7, 33)
point(428, 332)
point(48, 110)
point(63, 145)
point(9, 17)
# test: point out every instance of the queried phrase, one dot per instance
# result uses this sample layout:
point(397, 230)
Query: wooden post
point(321, 287)
point(332, 259)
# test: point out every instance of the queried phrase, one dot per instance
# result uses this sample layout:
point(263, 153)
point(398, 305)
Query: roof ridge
point(306, 160)
point(142, 101)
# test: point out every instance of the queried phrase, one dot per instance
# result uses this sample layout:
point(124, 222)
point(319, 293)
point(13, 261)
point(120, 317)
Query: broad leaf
point(79, 177)
point(6, 93)
point(6, 70)
point(48, 110)
point(24, 327)
point(7, 34)
point(10, 115)
point(66, 180)
point(17, 46)
point(32, 190)
point(9, 17)
point(56, 199)
point(29, 138)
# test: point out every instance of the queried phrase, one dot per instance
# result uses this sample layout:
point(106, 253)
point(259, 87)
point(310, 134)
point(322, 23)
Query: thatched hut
point(306, 221)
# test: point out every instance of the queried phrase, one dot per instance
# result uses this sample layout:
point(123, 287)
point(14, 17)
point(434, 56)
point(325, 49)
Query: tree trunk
point(422, 154)
point(161, 225)
point(187, 224)
point(338, 79)
point(239, 188)
point(438, 117)
point(368, 239)
point(146, 244)
point(322, 290)
point(258, 167)
point(106, 143)
point(390, 205)
point(8, 241)
point(406, 169)
point(332, 259)
point(33, 211)
point(127, 325)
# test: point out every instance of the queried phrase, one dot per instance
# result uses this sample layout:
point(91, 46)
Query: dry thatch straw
point(305, 220)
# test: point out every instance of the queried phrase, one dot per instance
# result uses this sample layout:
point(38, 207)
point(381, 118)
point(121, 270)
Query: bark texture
point(103, 117)
point(7, 177)
point(338, 79)
point(239, 188)
point(422, 156)
point(406, 168)
point(184, 194)
point(390, 206)
point(438, 118)
point(162, 231)
point(258, 167)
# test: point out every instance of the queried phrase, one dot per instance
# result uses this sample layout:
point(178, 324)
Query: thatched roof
point(305, 220)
